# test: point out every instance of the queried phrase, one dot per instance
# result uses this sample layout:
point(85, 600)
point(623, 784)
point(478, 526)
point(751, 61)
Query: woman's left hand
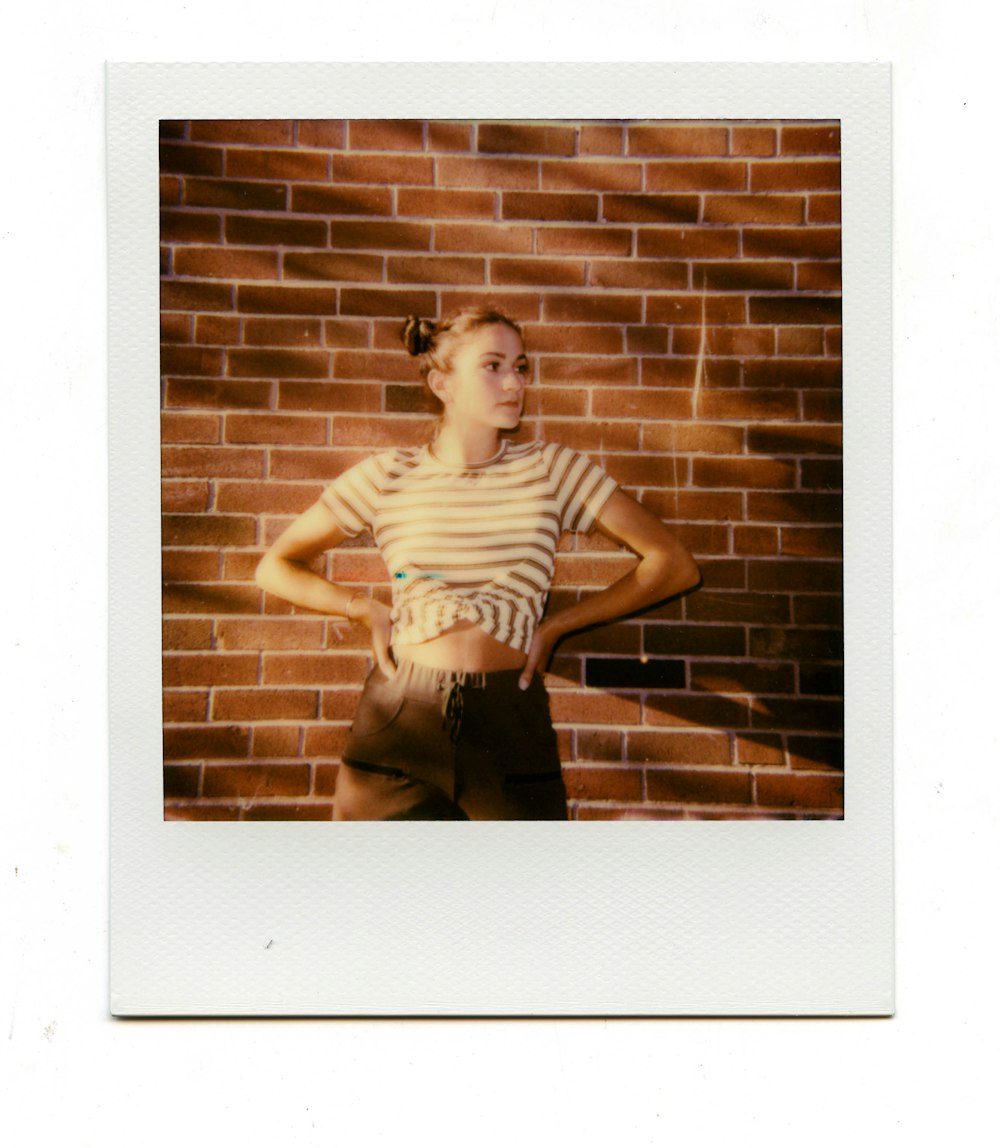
point(539, 653)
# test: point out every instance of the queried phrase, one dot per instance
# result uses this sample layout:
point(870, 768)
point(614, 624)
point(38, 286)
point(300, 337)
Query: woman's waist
point(464, 647)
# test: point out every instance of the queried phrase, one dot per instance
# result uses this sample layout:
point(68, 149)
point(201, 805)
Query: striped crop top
point(472, 543)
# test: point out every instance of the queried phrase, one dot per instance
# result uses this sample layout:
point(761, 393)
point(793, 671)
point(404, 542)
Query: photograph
point(501, 469)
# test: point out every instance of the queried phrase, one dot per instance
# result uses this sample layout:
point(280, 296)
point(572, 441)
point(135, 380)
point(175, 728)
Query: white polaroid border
point(582, 918)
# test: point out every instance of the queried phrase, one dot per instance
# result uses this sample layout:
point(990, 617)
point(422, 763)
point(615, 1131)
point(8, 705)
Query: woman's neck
point(466, 448)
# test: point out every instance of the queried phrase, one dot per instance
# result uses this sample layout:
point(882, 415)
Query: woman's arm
point(665, 568)
point(284, 571)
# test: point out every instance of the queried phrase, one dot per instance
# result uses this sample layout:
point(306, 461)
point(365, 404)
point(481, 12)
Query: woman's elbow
point(688, 573)
point(264, 574)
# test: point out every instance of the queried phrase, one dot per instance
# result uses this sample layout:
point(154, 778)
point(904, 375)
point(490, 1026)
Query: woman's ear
point(438, 383)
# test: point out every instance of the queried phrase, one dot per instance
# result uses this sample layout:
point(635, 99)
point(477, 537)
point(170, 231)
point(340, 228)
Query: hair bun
point(418, 335)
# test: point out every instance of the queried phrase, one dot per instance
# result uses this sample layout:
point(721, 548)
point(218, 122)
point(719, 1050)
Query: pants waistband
point(416, 679)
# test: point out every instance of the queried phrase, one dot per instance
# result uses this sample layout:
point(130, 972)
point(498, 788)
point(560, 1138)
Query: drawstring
point(452, 709)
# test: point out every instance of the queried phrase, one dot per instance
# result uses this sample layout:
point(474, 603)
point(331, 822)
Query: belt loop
point(452, 708)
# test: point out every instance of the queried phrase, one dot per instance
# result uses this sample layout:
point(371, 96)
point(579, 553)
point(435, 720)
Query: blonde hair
point(435, 343)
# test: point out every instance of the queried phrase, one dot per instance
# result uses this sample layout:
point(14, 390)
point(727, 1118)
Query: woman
point(454, 720)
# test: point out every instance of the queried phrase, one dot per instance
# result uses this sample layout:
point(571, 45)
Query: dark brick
point(635, 673)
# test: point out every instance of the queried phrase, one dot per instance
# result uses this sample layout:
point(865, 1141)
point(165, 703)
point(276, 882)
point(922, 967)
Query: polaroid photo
point(590, 370)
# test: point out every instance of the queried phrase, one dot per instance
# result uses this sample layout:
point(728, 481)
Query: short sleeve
point(353, 497)
point(582, 489)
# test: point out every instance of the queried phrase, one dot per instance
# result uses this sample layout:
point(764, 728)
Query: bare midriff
point(464, 648)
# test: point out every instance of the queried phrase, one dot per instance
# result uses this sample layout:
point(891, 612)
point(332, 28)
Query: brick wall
point(679, 285)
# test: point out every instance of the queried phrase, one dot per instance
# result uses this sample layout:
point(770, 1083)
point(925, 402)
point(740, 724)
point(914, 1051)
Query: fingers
point(530, 665)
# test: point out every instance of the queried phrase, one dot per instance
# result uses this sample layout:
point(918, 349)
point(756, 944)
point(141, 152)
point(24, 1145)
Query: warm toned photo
point(502, 470)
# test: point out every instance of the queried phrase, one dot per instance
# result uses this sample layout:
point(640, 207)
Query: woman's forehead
point(495, 337)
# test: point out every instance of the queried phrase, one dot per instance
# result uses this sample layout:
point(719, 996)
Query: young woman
point(454, 720)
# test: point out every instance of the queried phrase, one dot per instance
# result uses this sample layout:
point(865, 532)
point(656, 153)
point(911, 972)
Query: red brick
point(753, 141)
point(322, 669)
point(411, 398)
point(598, 745)
point(581, 175)
point(240, 195)
point(684, 748)
point(378, 433)
point(796, 310)
point(818, 276)
point(329, 396)
point(821, 474)
point(331, 266)
point(190, 227)
point(708, 175)
point(725, 341)
point(594, 707)
point(704, 438)
point(834, 342)
point(526, 139)
point(787, 574)
point(264, 163)
point(270, 634)
point(185, 707)
point(544, 272)
point(805, 175)
point(386, 135)
point(627, 813)
point(181, 780)
point(449, 137)
point(759, 749)
point(606, 372)
point(190, 296)
point(651, 274)
point(383, 366)
point(324, 780)
point(243, 131)
point(435, 269)
point(744, 275)
point(280, 300)
point(601, 139)
point(663, 140)
point(793, 507)
point(758, 406)
point(175, 328)
point(753, 209)
point(742, 678)
point(723, 574)
point(818, 610)
point(691, 506)
point(312, 464)
point(359, 200)
point(487, 173)
point(520, 305)
point(180, 743)
point(585, 241)
point(795, 440)
point(289, 811)
point(544, 205)
point(810, 139)
point(793, 373)
point(345, 333)
point(209, 669)
point(361, 301)
point(719, 641)
point(381, 236)
point(176, 360)
point(755, 540)
point(271, 231)
point(688, 243)
point(568, 308)
point(340, 705)
point(586, 339)
point(173, 129)
point(816, 752)
point(256, 363)
point(705, 712)
point(325, 741)
point(283, 332)
point(798, 791)
point(577, 570)
point(265, 497)
point(699, 787)
point(264, 704)
point(203, 598)
point(274, 429)
point(485, 238)
point(187, 634)
point(241, 565)
point(688, 309)
point(322, 133)
point(823, 209)
point(220, 329)
point(792, 242)
point(218, 393)
point(727, 606)
point(440, 203)
point(166, 261)
point(812, 542)
point(684, 372)
point(181, 497)
point(274, 741)
point(255, 781)
point(603, 784)
point(650, 208)
point(189, 566)
point(382, 169)
point(190, 159)
point(170, 189)
point(800, 341)
point(187, 811)
point(225, 263)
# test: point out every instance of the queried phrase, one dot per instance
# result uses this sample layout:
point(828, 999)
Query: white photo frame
point(636, 918)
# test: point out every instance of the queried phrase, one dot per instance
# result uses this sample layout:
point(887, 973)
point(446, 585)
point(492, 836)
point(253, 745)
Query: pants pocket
point(379, 705)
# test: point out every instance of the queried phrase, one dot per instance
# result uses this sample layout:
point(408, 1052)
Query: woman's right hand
point(376, 616)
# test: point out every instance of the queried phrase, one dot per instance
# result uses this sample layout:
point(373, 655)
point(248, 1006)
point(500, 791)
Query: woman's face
point(485, 386)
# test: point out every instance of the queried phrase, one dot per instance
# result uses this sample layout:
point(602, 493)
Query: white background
point(71, 1075)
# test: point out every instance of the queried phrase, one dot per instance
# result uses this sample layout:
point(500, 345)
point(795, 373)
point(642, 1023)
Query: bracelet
point(347, 607)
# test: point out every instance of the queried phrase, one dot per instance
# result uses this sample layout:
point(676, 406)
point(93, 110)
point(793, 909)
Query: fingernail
point(522, 684)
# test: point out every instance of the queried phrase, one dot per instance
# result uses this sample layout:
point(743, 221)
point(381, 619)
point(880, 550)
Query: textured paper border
point(636, 918)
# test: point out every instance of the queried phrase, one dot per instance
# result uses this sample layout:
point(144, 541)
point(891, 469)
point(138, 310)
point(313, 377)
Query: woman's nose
point(513, 381)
